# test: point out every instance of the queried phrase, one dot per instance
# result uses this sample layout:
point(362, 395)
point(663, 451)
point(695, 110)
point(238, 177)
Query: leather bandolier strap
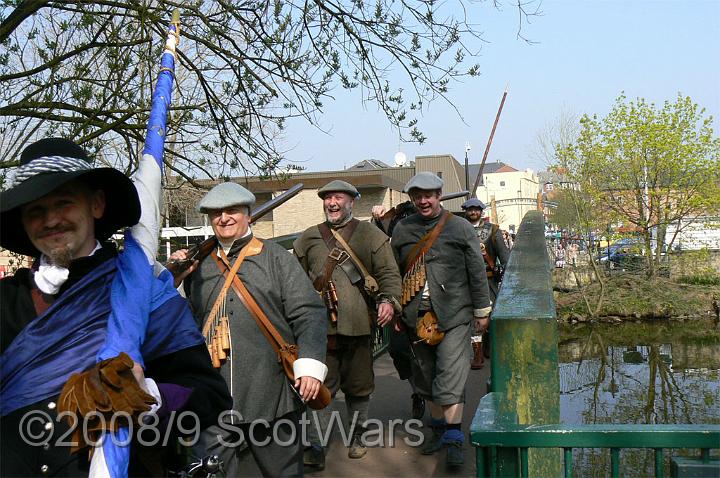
point(487, 255)
point(370, 285)
point(323, 283)
point(414, 275)
point(357, 273)
point(286, 353)
point(216, 330)
point(489, 261)
point(336, 255)
point(269, 331)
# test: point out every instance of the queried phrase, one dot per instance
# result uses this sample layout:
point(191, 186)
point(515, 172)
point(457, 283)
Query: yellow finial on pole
point(176, 22)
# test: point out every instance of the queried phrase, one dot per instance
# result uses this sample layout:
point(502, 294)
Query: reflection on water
point(626, 374)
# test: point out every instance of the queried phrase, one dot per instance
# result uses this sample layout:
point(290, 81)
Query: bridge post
point(524, 349)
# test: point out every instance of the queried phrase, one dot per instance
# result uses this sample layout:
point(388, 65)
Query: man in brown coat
point(352, 265)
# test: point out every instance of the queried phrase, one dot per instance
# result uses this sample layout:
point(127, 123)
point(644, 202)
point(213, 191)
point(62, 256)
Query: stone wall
point(693, 262)
point(298, 213)
point(681, 264)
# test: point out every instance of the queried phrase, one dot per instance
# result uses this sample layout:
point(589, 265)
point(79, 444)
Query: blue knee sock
point(453, 435)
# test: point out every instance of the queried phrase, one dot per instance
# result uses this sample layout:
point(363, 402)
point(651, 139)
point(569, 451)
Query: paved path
point(391, 400)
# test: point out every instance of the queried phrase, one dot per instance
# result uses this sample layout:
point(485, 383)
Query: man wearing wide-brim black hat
point(56, 316)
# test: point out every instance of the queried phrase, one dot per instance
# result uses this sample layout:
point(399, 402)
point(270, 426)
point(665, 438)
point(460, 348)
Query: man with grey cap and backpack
point(247, 294)
point(352, 266)
point(444, 289)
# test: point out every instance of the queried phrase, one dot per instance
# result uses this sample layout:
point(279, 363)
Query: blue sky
point(585, 54)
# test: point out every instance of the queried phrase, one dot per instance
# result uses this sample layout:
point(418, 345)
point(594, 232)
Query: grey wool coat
point(372, 247)
point(454, 266)
point(274, 278)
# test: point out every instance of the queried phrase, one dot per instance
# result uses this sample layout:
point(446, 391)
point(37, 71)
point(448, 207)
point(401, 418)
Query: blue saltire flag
point(127, 325)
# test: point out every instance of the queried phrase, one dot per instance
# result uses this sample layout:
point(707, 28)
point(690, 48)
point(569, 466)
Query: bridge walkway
point(391, 401)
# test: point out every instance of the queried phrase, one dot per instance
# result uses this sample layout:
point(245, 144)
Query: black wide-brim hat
point(45, 166)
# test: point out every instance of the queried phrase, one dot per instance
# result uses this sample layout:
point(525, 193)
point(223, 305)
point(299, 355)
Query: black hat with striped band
point(45, 166)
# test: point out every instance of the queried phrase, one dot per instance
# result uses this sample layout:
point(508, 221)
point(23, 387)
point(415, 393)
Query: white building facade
point(509, 195)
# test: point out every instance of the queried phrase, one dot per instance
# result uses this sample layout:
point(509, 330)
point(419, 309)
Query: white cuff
point(482, 313)
point(153, 390)
point(307, 367)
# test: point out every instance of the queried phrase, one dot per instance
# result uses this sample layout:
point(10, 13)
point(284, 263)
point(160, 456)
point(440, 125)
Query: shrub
point(701, 277)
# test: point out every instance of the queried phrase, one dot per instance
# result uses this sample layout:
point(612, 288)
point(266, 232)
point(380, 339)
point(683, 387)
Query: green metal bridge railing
point(491, 432)
point(516, 427)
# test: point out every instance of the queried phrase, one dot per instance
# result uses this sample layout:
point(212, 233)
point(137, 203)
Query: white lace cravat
point(49, 277)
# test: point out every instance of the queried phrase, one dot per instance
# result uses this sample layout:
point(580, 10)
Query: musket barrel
point(459, 194)
point(275, 202)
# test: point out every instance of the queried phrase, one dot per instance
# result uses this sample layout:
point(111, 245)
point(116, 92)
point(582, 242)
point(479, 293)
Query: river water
point(664, 372)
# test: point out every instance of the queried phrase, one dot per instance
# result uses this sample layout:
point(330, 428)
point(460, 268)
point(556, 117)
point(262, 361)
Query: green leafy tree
point(648, 167)
point(86, 69)
point(575, 210)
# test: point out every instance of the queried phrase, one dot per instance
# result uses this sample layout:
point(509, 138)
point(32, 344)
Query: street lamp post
point(608, 244)
point(519, 200)
point(467, 171)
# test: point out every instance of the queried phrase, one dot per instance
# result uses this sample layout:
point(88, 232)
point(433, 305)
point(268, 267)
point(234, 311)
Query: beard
point(346, 214)
point(60, 256)
point(474, 217)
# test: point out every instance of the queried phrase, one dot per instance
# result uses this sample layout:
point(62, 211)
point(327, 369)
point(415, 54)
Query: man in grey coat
point(443, 275)
point(267, 407)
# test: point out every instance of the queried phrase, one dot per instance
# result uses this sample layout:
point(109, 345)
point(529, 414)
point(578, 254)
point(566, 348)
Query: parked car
point(626, 241)
point(623, 256)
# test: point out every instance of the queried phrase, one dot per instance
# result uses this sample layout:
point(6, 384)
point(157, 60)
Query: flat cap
point(473, 202)
point(338, 186)
point(225, 195)
point(424, 180)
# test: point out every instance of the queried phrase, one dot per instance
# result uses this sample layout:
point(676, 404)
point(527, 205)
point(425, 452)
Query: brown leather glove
point(122, 387)
point(98, 394)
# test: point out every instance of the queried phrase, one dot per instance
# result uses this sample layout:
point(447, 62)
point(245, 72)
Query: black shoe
point(435, 441)
point(314, 456)
point(454, 454)
point(418, 406)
